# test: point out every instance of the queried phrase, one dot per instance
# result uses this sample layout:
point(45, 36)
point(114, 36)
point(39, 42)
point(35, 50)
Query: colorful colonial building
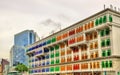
point(89, 47)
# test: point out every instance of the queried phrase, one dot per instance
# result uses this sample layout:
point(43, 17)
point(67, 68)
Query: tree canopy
point(21, 68)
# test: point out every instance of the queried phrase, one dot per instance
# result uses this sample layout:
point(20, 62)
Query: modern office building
point(3, 63)
point(18, 55)
point(17, 52)
point(89, 47)
point(25, 38)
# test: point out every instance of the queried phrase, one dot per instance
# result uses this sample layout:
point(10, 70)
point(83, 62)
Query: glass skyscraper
point(22, 39)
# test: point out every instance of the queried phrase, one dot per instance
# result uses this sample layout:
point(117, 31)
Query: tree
point(21, 68)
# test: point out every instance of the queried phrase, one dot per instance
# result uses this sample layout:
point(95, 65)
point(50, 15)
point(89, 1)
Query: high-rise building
point(24, 38)
point(89, 47)
point(17, 52)
point(3, 63)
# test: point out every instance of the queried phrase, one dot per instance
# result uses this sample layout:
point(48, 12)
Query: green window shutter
point(51, 48)
point(96, 22)
point(103, 53)
point(57, 54)
point(54, 39)
point(57, 68)
point(52, 69)
point(49, 41)
point(105, 19)
point(52, 55)
point(103, 64)
point(107, 64)
point(109, 52)
point(107, 31)
point(52, 61)
point(103, 43)
point(56, 47)
point(100, 20)
point(110, 18)
point(108, 42)
point(102, 33)
point(110, 63)
point(57, 61)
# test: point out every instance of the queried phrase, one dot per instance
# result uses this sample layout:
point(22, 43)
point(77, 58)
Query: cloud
point(50, 22)
point(42, 16)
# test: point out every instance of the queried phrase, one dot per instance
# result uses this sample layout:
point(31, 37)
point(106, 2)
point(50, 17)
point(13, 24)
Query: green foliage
point(21, 68)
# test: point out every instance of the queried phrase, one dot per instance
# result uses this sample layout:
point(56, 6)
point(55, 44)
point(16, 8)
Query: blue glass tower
point(18, 53)
point(24, 38)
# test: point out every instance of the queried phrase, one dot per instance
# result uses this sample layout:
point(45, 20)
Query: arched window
point(52, 61)
point(103, 64)
point(100, 20)
point(96, 45)
point(102, 33)
point(91, 56)
point(107, 64)
point(96, 22)
point(91, 24)
point(98, 64)
point(96, 54)
point(91, 46)
point(95, 35)
point(103, 43)
point(110, 64)
point(88, 25)
point(103, 53)
point(109, 52)
point(91, 65)
point(105, 19)
point(91, 37)
point(107, 31)
point(108, 42)
point(94, 65)
point(85, 27)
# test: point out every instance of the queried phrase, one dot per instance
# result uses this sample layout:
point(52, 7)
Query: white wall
point(116, 40)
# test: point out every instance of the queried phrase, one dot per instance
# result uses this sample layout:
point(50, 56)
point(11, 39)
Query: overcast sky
point(41, 16)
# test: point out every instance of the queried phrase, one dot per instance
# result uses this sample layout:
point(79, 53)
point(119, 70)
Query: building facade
point(17, 52)
point(89, 47)
point(3, 63)
point(25, 38)
point(18, 55)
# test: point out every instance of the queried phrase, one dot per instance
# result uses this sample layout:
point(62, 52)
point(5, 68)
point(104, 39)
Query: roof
point(105, 10)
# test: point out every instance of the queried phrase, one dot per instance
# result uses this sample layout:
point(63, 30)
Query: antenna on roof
point(42, 37)
point(52, 32)
point(104, 6)
point(111, 7)
point(115, 8)
point(119, 9)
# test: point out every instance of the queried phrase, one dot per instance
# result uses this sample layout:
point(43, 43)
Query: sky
point(43, 16)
